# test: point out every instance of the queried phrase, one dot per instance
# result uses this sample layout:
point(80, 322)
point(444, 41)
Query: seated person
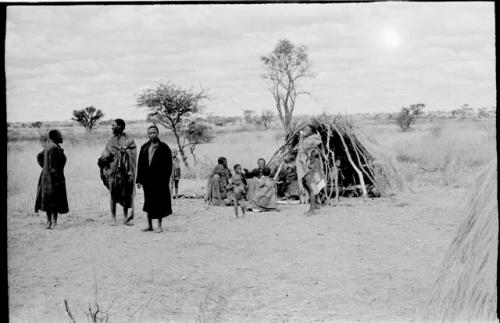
point(216, 193)
point(257, 172)
point(263, 198)
point(287, 184)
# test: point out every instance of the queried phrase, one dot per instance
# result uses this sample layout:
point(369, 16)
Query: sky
point(366, 57)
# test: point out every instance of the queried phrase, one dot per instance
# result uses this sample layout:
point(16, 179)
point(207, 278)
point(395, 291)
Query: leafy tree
point(87, 117)
point(284, 68)
point(267, 117)
point(196, 133)
point(483, 113)
point(36, 124)
point(465, 111)
point(172, 107)
point(408, 115)
point(249, 116)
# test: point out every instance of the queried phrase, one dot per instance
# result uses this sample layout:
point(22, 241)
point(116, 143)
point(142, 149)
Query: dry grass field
point(372, 260)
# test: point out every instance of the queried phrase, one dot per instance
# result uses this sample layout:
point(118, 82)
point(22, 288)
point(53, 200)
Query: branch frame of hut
point(370, 172)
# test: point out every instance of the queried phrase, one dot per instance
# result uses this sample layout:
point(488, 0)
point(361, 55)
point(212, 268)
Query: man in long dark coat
point(51, 193)
point(153, 175)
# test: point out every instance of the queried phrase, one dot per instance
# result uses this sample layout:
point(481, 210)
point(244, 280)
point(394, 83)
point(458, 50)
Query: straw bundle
point(466, 288)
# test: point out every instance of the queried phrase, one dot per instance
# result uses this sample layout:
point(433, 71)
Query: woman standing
point(51, 193)
point(153, 174)
point(311, 177)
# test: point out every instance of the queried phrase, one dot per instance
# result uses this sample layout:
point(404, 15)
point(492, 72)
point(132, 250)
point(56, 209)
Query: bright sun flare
point(390, 38)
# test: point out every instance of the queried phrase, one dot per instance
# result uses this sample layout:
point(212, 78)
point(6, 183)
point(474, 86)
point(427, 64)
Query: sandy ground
point(371, 260)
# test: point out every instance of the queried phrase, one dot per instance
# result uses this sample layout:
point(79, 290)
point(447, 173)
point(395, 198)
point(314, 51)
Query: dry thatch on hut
point(363, 164)
point(466, 288)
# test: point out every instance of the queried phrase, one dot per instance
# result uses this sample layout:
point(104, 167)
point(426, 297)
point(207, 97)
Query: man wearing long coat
point(153, 175)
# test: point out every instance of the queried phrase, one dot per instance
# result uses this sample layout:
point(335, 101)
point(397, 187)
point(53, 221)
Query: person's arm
point(54, 161)
point(139, 180)
point(168, 162)
point(39, 158)
point(131, 149)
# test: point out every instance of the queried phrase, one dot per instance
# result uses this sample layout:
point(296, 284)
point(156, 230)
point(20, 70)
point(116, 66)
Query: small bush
point(407, 116)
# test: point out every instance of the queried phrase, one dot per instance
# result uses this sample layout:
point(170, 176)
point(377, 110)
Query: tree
point(465, 111)
point(249, 116)
point(267, 117)
point(407, 116)
point(172, 106)
point(285, 67)
point(483, 113)
point(87, 117)
point(196, 133)
point(36, 124)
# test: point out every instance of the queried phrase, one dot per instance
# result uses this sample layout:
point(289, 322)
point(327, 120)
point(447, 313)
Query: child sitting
point(176, 174)
point(237, 184)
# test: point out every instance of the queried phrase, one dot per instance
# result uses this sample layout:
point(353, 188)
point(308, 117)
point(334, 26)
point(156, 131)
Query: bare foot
point(158, 230)
point(147, 229)
point(310, 213)
point(49, 226)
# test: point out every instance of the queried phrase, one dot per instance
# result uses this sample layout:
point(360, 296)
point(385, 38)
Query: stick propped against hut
point(353, 165)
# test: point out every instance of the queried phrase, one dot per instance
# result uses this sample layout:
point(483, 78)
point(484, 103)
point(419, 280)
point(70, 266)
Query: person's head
point(337, 163)
point(311, 128)
point(153, 133)
point(237, 168)
point(222, 161)
point(261, 162)
point(266, 171)
point(291, 156)
point(118, 126)
point(56, 136)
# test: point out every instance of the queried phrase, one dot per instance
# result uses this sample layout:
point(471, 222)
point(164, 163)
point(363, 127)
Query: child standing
point(176, 174)
point(237, 184)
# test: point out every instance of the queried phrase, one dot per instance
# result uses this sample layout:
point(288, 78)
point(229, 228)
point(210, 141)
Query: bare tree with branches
point(285, 67)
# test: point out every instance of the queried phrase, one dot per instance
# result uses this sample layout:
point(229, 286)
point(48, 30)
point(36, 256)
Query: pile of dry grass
point(466, 288)
point(364, 164)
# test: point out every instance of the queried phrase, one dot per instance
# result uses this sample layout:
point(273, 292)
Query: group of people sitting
point(253, 190)
point(299, 177)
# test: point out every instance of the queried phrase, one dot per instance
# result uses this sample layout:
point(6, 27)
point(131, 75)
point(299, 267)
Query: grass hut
point(367, 171)
point(466, 287)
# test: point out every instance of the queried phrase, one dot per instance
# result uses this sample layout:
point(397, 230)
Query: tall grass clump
point(449, 149)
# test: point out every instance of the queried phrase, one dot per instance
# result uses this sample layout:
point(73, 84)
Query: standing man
point(117, 164)
point(153, 175)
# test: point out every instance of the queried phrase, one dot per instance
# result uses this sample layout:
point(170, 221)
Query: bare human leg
point(112, 205)
point(131, 216)
point(150, 224)
point(159, 229)
point(54, 220)
point(49, 221)
point(236, 207)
